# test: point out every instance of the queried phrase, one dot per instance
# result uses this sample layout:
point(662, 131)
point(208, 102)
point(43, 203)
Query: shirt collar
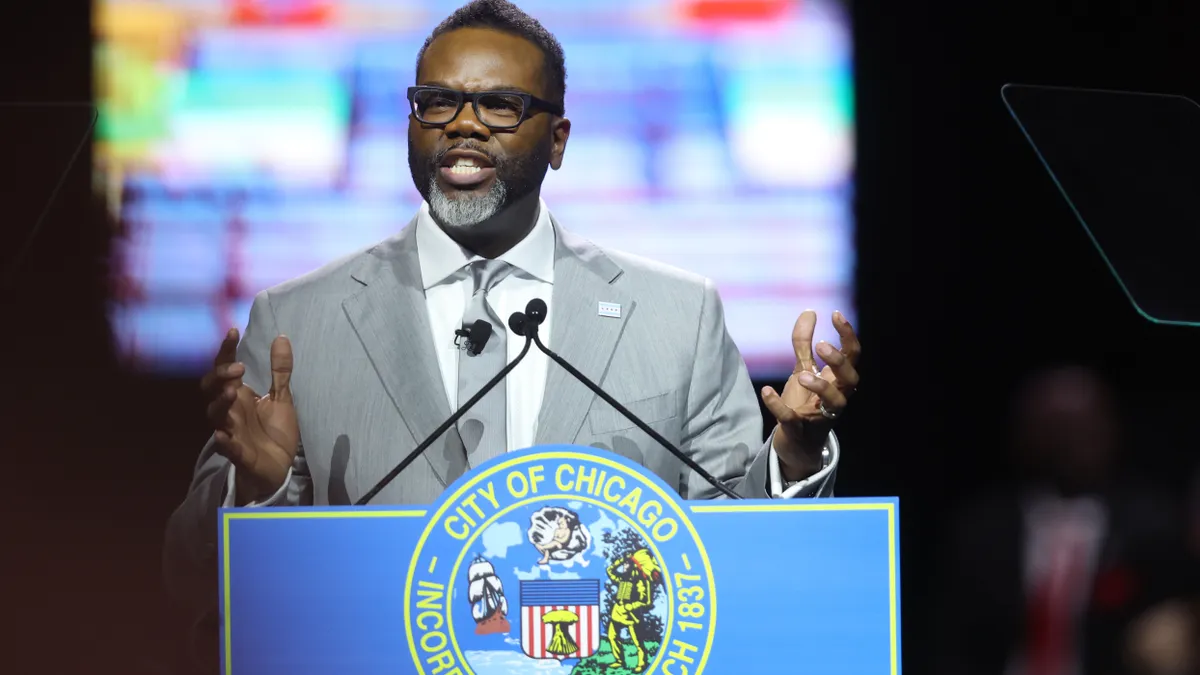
point(441, 257)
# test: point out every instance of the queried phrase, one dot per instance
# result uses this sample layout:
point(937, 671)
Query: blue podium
point(563, 560)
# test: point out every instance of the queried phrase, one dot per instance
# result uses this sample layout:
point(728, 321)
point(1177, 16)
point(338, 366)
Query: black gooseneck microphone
point(516, 324)
point(535, 314)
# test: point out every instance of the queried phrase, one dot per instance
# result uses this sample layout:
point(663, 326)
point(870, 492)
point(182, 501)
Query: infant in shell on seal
point(557, 534)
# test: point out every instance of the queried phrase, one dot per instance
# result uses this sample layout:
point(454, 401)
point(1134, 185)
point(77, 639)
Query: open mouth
point(466, 169)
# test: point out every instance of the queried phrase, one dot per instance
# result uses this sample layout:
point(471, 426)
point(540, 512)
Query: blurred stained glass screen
point(1128, 165)
point(246, 142)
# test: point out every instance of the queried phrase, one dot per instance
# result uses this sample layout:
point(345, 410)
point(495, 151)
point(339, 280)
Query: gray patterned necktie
point(483, 428)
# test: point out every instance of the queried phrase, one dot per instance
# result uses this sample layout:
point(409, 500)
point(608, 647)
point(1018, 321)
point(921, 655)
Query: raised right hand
point(258, 434)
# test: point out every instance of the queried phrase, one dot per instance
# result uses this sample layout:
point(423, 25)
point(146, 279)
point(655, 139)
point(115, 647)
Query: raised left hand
point(812, 399)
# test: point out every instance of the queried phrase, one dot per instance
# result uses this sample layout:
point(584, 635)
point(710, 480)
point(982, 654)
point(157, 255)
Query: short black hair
point(506, 17)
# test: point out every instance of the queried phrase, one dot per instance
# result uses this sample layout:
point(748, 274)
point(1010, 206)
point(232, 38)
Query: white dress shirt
point(1051, 524)
point(446, 295)
point(447, 292)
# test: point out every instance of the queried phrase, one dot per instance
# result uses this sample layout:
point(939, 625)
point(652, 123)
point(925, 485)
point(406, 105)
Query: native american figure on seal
point(635, 576)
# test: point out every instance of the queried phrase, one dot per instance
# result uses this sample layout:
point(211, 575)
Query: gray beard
point(465, 212)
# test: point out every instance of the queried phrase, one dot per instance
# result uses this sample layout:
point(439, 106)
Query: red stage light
point(281, 12)
point(736, 10)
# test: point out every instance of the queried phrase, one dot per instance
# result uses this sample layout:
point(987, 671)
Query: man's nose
point(467, 125)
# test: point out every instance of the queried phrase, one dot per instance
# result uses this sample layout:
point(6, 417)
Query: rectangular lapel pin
point(610, 309)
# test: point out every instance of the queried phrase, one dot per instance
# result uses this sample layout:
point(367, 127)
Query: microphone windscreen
point(516, 323)
point(536, 311)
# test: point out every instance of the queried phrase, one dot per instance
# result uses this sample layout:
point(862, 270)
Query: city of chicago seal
point(576, 562)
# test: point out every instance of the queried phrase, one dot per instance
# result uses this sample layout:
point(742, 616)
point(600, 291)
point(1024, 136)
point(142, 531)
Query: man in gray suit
point(372, 365)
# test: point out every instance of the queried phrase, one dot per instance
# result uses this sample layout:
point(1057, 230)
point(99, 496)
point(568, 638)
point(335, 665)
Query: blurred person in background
point(1075, 569)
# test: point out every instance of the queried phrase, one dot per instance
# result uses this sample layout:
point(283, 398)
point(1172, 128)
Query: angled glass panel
point(40, 143)
point(1128, 164)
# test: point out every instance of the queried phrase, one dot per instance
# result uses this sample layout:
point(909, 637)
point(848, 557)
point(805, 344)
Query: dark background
point(972, 270)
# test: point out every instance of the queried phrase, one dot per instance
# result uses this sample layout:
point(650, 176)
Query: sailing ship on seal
point(489, 607)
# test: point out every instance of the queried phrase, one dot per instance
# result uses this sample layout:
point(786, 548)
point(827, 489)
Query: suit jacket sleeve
point(723, 431)
point(190, 545)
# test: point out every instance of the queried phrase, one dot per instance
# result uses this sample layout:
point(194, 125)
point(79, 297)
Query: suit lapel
point(583, 278)
point(392, 322)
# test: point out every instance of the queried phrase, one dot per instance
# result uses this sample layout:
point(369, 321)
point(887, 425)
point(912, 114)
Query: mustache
point(474, 146)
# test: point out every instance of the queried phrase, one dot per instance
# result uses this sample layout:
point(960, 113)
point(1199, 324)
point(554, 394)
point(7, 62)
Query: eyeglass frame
point(529, 105)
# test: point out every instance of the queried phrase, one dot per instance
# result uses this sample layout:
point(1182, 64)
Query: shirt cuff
point(813, 486)
point(231, 491)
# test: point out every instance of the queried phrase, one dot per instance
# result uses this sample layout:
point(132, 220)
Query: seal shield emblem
point(560, 619)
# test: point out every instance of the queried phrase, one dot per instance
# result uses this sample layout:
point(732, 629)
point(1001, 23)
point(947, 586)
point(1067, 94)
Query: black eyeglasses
point(497, 110)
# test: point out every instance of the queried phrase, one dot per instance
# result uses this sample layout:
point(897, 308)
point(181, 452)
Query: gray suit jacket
point(367, 388)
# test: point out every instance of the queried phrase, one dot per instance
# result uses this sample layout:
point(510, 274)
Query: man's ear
point(561, 131)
